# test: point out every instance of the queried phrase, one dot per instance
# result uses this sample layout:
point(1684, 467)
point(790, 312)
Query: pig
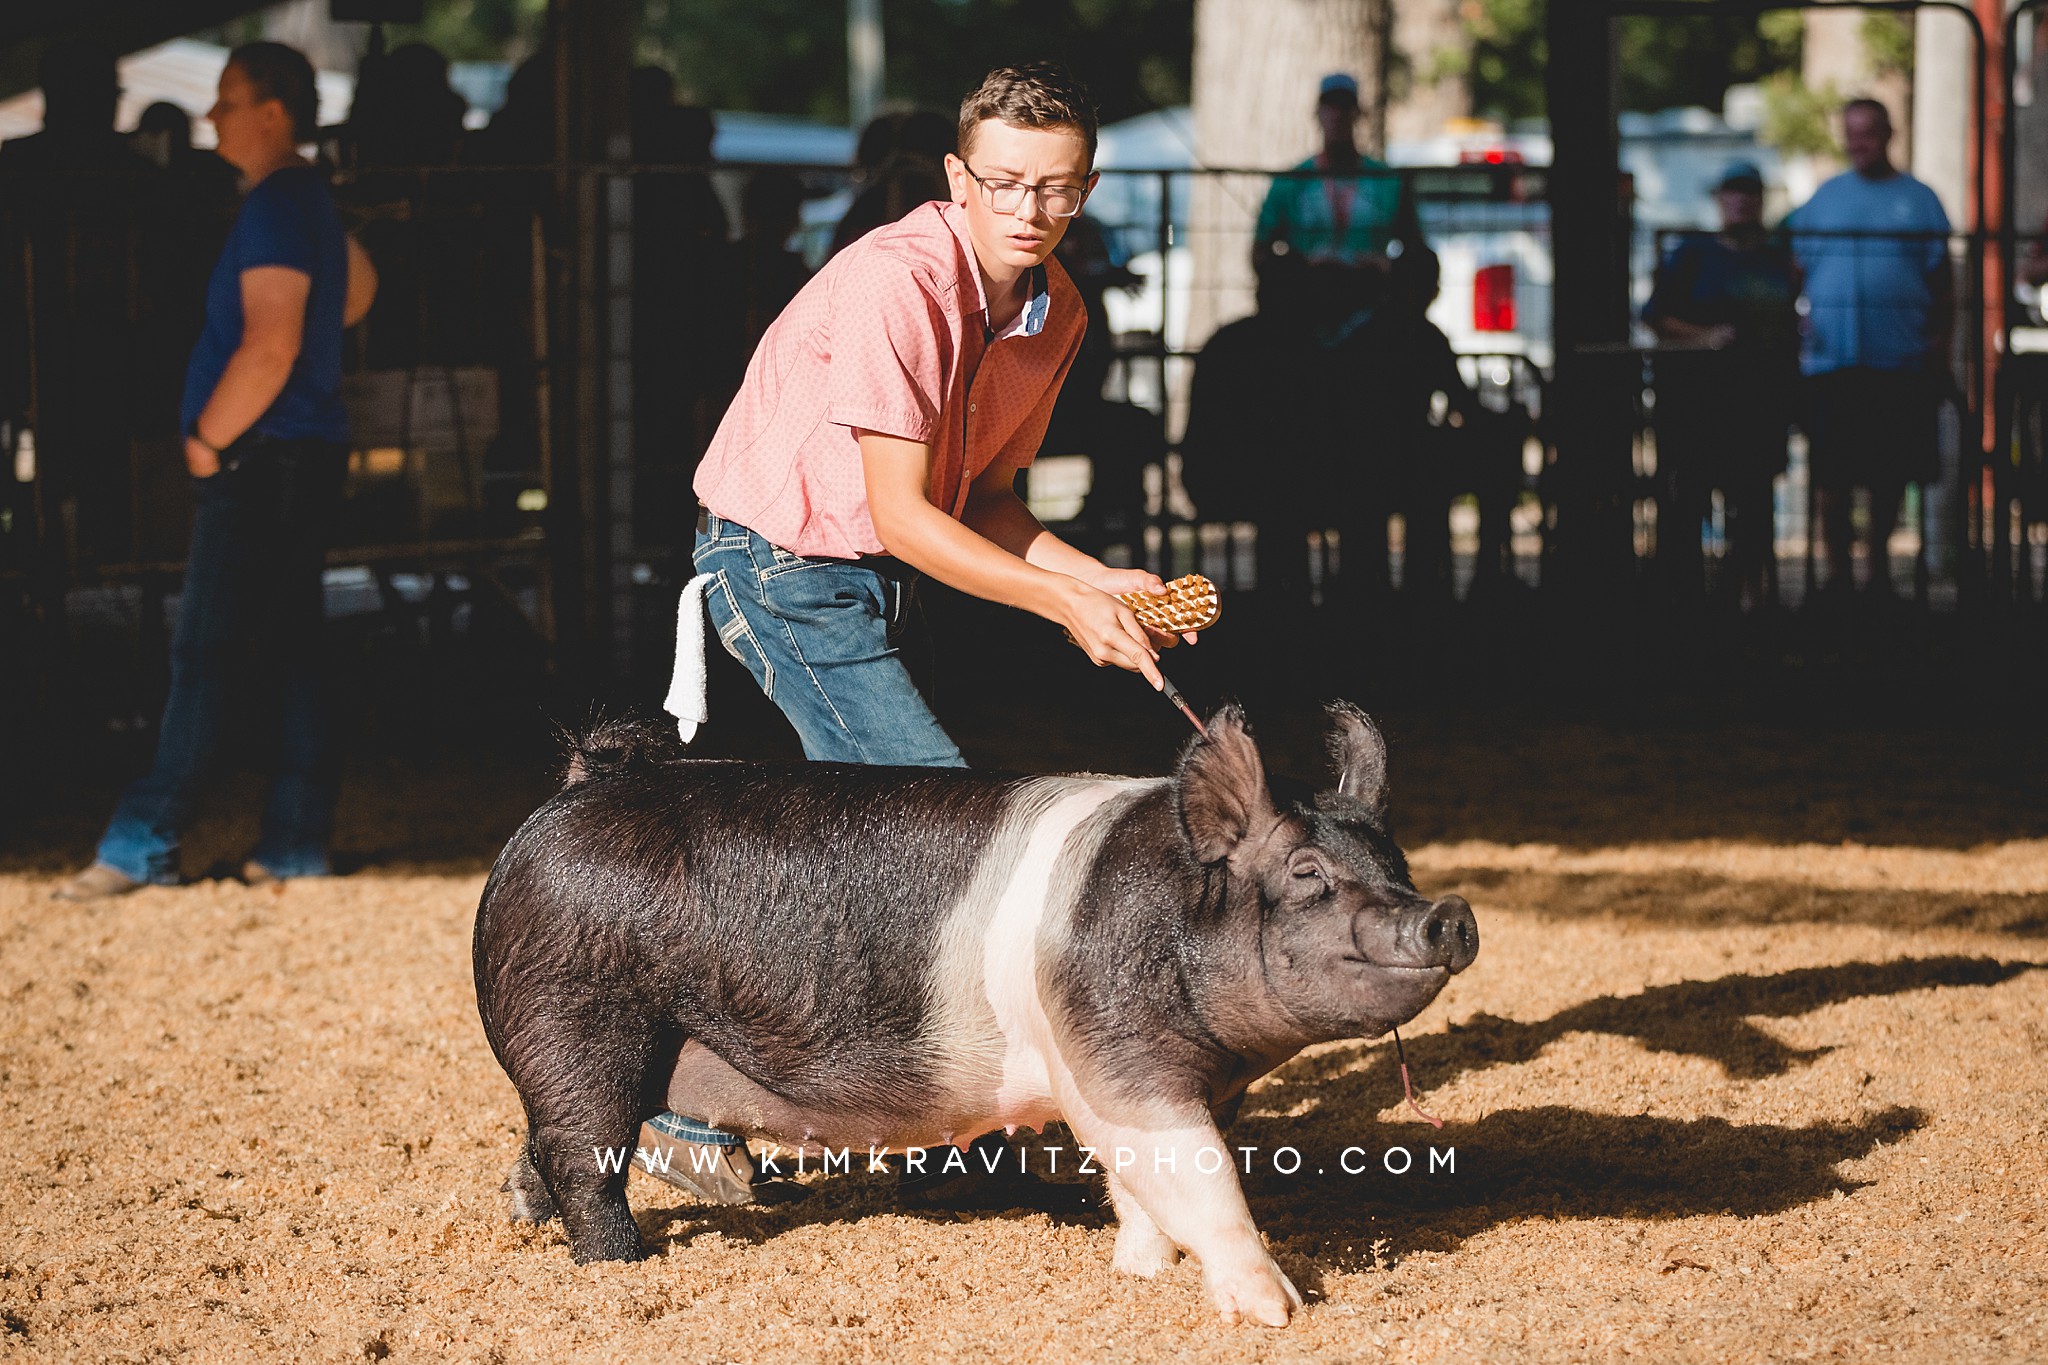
point(829, 955)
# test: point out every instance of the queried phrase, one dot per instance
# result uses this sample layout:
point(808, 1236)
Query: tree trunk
point(1836, 58)
point(1257, 64)
point(1432, 78)
point(1944, 111)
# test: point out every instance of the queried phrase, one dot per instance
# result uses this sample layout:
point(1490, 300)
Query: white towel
point(686, 691)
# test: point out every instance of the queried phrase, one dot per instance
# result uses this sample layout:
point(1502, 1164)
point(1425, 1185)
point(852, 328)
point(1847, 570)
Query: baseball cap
point(1741, 175)
point(1338, 85)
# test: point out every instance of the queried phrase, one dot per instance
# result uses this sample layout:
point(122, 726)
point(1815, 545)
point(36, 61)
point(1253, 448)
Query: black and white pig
point(832, 956)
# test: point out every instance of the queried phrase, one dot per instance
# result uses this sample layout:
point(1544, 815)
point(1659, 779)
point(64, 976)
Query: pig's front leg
point(1180, 1177)
point(1141, 1248)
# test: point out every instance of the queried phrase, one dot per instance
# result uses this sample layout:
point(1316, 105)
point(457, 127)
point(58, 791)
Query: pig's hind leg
point(583, 1077)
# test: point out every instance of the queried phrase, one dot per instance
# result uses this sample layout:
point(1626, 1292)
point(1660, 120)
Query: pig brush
point(1192, 604)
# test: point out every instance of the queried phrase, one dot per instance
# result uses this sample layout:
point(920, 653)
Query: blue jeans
point(259, 541)
point(819, 636)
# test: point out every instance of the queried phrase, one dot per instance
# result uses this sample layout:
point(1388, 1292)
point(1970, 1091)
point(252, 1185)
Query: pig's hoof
point(1144, 1250)
point(612, 1236)
point(531, 1202)
point(1259, 1293)
point(615, 1251)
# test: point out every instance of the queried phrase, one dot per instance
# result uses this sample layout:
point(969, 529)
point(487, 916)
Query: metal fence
point(552, 348)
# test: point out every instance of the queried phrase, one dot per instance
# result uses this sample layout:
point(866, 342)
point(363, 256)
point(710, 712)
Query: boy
point(880, 428)
point(877, 435)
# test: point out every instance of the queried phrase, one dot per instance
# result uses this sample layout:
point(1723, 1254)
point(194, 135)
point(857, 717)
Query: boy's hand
point(1108, 631)
point(1118, 581)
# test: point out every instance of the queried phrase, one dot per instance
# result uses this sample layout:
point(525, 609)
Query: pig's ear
point(1222, 789)
point(1361, 758)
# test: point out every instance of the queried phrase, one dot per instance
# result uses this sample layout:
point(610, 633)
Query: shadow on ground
point(1546, 1162)
point(1692, 897)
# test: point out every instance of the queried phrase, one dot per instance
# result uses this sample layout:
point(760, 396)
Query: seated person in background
point(1119, 439)
point(1262, 424)
point(405, 113)
point(902, 159)
point(86, 213)
point(767, 272)
point(1399, 457)
point(1722, 413)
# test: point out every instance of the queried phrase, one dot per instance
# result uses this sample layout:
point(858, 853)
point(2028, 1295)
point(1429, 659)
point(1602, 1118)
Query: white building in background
point(183, 72)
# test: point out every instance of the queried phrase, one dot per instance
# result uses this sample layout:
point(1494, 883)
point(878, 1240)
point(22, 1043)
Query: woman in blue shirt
point(265, 437)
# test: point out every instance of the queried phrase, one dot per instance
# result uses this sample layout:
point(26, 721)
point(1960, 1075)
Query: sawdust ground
point(1720, 1087)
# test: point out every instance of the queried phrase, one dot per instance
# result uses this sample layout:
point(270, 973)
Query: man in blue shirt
point(1347, 215)
point(1873, 244)
point(264, 443)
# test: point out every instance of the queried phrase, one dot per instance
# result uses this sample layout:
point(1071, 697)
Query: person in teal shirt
point(1348, 215)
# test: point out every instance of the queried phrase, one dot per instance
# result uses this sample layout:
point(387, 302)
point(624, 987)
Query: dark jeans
point(1875, 429)
point(259, 540)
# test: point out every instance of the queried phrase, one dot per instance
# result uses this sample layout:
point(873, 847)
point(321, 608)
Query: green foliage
point(1784, 32)
point(476, 30)
point(1508, 56)
point(789, 56)
point(1682, 61)
point(1662, 60)
point(1797, 118)
point(1888, 41)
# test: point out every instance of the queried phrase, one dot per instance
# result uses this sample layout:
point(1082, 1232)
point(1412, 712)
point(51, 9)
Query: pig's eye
point(1309, 878)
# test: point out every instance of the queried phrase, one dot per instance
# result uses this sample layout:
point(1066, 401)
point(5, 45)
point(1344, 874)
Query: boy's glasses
point(1006, 196)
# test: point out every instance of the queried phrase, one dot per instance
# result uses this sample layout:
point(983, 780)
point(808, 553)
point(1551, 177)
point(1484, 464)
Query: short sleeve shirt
point(1754, 289)
point(1345, 218)
point(288, 220)
point(1867, 293)
point(891, 337)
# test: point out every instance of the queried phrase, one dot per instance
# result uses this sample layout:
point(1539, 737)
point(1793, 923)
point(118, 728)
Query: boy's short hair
point(1034, 95)
point(281, 73)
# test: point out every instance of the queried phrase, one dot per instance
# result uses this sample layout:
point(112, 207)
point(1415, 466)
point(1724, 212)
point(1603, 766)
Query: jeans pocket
point(819, 592)
point(781, 561)
point(733, 630)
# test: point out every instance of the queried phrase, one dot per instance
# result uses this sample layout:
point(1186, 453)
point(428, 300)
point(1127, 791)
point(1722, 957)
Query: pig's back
point(821, 927)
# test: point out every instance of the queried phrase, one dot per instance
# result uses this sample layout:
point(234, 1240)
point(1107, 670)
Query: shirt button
point(971, 407)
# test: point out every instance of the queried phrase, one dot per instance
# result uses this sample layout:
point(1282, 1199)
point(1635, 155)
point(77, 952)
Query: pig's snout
point(1446, 935)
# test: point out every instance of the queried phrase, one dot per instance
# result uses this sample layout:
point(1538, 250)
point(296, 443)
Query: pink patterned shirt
point(890, 337)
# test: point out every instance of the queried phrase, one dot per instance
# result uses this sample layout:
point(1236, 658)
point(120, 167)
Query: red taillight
point(1493, 299)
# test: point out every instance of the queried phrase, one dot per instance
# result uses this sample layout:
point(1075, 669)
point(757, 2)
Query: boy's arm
point(995, 511)
point(1001, 554)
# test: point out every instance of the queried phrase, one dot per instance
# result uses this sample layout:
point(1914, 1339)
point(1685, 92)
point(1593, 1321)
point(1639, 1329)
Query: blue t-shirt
point(289, 220)
point(1868, 296)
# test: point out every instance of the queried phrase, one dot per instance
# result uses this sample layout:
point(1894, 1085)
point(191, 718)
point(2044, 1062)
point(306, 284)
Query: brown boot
point(718, 1172)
